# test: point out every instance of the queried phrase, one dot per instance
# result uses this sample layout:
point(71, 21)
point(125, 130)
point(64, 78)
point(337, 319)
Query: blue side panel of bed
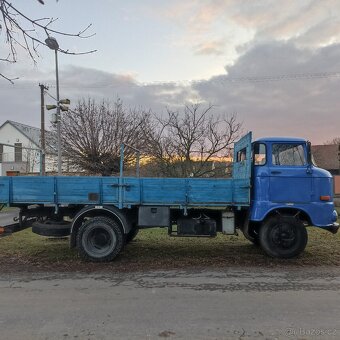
point(124, 191)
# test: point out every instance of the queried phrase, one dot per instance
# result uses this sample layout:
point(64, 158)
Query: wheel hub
point(283, 236)
point(100, 239)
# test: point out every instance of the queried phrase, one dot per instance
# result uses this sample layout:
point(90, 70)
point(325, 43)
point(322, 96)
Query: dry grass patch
point(154, 249)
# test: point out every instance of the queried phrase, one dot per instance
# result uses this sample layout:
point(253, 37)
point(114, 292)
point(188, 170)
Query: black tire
point(252, 235)
point(254, 240)
point(52, 228)
point(100, 239)
point(131, 235)
point(283, 237)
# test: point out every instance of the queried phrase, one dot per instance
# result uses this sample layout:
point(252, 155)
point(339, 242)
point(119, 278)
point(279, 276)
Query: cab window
point(259, 154)
point(288, 154)
point(241, 155)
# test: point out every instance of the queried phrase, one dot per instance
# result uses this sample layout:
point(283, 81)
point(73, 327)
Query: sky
point(276, 64)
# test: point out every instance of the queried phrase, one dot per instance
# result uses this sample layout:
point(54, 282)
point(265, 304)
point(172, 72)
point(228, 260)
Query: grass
point(154, 249)
point(7, 209)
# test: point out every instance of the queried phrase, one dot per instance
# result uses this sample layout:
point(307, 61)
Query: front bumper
point(333, 228)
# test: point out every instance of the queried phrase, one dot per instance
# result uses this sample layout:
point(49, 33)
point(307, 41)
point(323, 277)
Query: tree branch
point(12, 25)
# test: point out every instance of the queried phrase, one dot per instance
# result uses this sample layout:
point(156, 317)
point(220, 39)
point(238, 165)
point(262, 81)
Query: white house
point(23, 156)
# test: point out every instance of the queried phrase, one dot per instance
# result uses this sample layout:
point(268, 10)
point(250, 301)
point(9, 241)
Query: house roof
point(31, 132)
point(327, 156)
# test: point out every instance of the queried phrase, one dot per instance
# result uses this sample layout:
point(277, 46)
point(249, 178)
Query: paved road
point(7, 217)
point(245, 303)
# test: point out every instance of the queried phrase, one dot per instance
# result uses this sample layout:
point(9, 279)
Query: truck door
point(290, 174)
point(242, 169)
point(242, 157)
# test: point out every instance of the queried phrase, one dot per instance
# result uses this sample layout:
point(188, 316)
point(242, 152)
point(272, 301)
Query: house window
point(18, 152)
point(1, 152)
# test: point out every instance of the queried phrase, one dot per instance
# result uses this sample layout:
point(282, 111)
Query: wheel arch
point(254, 225)
point(95, 211)
point(289, 211)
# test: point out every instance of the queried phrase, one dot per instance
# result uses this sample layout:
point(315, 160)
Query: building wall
point(337, 185)
point(30, 158)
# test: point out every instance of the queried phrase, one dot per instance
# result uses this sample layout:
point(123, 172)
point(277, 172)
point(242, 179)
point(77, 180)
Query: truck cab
point(287, 186)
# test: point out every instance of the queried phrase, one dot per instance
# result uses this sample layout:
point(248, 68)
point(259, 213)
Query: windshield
point(288, 154)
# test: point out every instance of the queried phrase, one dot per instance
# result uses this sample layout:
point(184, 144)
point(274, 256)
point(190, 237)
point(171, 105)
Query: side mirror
point(309, 153)
point(309, 158)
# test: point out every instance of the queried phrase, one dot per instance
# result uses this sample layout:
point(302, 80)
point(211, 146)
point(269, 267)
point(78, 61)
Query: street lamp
point(52, 43)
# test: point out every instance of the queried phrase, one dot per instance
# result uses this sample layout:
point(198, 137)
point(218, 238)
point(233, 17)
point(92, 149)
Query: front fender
point(319, 214)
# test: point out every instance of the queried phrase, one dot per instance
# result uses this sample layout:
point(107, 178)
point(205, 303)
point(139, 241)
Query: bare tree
point(335, 140)
point(22, 31)
point(31, 158)
point(92, 135)
point(191, 142)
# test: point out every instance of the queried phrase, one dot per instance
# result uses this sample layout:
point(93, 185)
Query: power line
point(222, 79)
point(54, 98)
point(285, 77)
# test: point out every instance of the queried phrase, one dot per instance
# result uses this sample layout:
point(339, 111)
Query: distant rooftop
point(31, 132)
point(327, 156)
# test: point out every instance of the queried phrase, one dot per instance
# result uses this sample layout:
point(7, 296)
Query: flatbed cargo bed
point(124, 192)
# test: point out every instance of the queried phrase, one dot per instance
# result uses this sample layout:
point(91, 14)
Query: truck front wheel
point(100, 239)
point(283, 237)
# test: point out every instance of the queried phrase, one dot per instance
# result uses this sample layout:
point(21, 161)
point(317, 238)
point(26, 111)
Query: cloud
point(305, 107)
point(308, 23)
point(210, 47)
point(21, 101)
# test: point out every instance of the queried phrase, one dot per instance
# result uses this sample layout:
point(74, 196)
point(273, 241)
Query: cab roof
point(281, 140)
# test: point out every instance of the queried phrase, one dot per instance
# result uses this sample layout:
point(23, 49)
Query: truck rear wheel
point(283, 237)
point(100, 239)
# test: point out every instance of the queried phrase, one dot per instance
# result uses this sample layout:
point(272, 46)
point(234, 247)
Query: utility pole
point(42, 128)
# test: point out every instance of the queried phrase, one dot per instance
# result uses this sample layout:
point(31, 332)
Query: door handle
point(275, 172)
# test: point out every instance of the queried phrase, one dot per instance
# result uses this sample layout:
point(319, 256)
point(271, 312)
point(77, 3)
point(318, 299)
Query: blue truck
point(275, 192)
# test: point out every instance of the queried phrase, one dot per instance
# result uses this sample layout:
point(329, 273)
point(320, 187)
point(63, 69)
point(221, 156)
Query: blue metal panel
point(110, 190)
point(242, 157)
point(4, 190)
point(210, 191)
point(135, 191)
point(32, 189)
point(281, 140)
point(320, 213)
point(194, 191)
point(241, 191)
point(76, 190)
point(131, 191)
point(162, 191)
